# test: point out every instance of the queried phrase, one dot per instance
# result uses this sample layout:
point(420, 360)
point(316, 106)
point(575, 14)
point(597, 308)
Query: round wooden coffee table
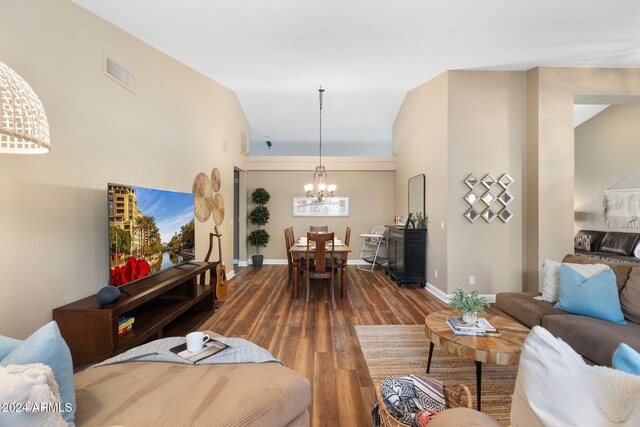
point(503, 350)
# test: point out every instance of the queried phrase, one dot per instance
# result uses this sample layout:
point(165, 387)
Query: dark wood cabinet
point(169, 303)
point(407, 255)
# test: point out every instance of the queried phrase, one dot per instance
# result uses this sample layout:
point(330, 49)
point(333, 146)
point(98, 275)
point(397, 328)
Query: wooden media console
point(169, 303)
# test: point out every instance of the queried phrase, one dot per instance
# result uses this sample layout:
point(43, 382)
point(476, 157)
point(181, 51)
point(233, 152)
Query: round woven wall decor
point(215, 179)
point(202, 196)
point(218, 209)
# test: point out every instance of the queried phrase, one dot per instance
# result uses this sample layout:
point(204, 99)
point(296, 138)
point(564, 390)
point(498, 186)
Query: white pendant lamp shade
point(23, 123)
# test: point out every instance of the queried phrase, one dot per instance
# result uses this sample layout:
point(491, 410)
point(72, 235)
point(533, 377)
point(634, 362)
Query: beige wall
point(606, 148)
point(370, 194)
point(456, 124)
point(486, 135)
point(552, 165)
point(53, 207)
point(420, 143)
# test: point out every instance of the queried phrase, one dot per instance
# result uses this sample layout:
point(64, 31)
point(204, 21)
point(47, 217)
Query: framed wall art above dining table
point(332, 206)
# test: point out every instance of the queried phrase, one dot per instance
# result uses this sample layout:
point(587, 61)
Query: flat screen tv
point(149, 231)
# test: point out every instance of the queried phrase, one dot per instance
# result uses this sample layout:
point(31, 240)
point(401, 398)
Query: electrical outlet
point(442, 225)
point(225, 147)
point(472, 280)
point(435, 273)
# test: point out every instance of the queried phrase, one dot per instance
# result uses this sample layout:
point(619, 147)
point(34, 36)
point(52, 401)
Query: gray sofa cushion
point(593, 338)
point(619, 243)
point(522, 307)
point(630, 296)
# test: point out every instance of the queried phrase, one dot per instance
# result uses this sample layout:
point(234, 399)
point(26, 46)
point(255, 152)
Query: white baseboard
point(491, 298)
point(438, 293)
point(242, 263)
point(230, 274)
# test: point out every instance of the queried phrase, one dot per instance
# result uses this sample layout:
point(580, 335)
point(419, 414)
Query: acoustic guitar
point(222, 286)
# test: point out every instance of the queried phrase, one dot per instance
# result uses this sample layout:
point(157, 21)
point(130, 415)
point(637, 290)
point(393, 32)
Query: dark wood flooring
point(318, 338)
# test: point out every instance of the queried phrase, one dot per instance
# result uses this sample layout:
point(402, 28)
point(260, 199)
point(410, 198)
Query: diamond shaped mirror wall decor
point(472, 215)
point(505, 198)
point(488, 198)
point(505, 215)
point(471, 181)
point(505, 180)
point(488, 215)
point(488, 180)
point(471, 198)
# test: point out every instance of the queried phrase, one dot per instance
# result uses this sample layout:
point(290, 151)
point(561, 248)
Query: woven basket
point(456, 397)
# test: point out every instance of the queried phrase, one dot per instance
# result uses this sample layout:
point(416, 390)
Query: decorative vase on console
point(420, 219)
point(468, 304)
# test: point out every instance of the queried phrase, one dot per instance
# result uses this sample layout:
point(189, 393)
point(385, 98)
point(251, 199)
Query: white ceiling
point(367, 54)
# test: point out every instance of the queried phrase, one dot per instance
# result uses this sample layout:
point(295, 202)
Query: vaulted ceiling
point(367, 53)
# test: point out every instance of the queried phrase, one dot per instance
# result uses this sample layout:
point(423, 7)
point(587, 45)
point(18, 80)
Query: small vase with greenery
point(259, 216)
point(420, 219)
point(469, 304)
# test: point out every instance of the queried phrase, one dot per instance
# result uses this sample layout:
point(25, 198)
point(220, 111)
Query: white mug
point(195, 340)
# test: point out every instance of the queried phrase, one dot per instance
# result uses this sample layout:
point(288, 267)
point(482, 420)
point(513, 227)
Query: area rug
point(403, 349)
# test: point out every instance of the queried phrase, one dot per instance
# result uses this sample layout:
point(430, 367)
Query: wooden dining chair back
point(347, 236)
point(319, 228)
point(289, 242)
point(321, 265)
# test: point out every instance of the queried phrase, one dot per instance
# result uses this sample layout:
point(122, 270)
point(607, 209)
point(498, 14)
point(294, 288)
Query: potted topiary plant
point(420, 220)
point(469, 304)
point(259, 216)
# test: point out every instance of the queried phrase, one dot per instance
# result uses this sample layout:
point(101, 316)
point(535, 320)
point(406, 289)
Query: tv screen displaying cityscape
point(150, 230)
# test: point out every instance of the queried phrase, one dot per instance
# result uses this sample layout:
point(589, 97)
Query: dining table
point(299, 251)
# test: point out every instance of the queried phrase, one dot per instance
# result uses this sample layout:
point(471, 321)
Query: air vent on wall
point(119, 74)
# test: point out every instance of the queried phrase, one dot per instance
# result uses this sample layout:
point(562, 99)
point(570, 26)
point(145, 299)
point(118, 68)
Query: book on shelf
point(209, 348)
point(124, 330)
point(481, 325)
point(125, 321)
point(473, 333)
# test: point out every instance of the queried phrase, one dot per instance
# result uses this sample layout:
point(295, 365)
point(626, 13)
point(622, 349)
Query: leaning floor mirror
point(417, 186)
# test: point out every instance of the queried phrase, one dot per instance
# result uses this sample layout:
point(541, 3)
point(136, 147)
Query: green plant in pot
point(259, 216)
point(420, 219)
point(468, 304)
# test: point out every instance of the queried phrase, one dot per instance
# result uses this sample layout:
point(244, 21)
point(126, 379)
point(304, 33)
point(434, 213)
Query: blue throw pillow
point(7, 345)
point(47, 346)
point(595, 297)
point(626, 359)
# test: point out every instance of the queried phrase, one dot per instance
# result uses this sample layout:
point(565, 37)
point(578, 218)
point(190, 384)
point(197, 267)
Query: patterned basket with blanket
point(455, 397)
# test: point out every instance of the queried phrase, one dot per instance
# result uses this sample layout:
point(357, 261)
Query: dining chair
point(318, 228)
point(321, 266)
point(347, 239)
point(288, 242)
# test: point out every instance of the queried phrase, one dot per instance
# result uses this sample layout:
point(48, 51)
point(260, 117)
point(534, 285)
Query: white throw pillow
point(30, 397)
point(636, 251)
point(551, 287)
point(555, 387)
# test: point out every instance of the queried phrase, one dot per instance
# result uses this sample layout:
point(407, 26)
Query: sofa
point(555, 387)
point(612, 246)
point(148, 393)
point(594, 339)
